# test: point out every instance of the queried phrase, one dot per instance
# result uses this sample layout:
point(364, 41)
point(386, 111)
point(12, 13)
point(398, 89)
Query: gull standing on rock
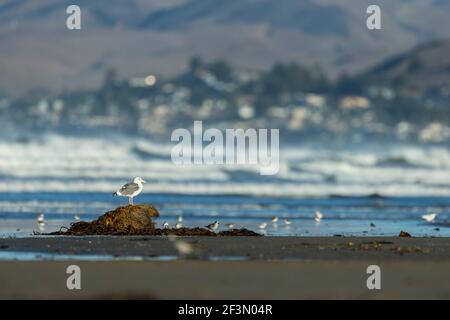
point(131, 189)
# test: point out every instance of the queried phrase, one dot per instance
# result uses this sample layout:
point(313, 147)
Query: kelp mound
point(127, 220)
point(137, 220)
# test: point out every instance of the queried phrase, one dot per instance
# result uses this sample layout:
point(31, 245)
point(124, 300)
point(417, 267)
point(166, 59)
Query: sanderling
point(165, 225)
point(213, 226)
point(318, 216)
point(287, 222)
point(131, 189)
point(178, 225)
point(41, 219)
point(230, 225)
point(274, 219)
point(429, 217)
point(263, 225)
point(183, 248)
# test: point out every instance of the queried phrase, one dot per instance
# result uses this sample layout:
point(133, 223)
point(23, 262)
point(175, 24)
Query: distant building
point(354, 102)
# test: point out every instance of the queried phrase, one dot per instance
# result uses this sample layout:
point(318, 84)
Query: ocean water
point(390, 187)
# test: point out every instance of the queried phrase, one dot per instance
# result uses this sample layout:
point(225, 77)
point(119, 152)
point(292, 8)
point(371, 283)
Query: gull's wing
point(129, 189)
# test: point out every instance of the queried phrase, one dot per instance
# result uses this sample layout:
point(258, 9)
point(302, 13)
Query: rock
point(135, 217)
point(137, 220)
point(128, 220)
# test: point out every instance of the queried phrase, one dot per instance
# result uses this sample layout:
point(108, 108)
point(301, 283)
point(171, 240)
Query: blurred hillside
point(404, 98)
point(138, 37)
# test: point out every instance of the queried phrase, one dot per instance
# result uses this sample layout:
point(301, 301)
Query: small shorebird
point(287, 222)
point(178, 225)
point(41, 219)
point(263, 225)
point(274, 219)
point(131, 189)
point(429, 217)
point(180, 218)
point(165, 225)
point(183, 248)
point(318, 216)
point(213, 226)
point(230, 225)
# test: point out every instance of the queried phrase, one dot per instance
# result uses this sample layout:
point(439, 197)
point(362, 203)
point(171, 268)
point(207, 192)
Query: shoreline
point(274, 268)
point(254, 248)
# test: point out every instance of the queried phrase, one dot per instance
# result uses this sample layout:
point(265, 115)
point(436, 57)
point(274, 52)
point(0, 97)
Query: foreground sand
point(269, 268)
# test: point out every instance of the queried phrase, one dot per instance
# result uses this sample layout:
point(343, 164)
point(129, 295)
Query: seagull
point(263, 225)
point(131, 189)
point(178, 225)
point(230, 225)
point(213, 226)
point(165, 225)
point(318, 216)
point(274, 219)
point(429, 217)
point(41, 219)
point(287, 222)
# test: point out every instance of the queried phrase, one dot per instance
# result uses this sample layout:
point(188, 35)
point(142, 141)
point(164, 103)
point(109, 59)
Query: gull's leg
point(130, 200)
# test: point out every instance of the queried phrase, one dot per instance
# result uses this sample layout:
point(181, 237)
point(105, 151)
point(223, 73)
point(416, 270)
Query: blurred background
point(363, 114)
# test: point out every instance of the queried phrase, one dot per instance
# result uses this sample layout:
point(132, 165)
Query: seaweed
point(133, 220)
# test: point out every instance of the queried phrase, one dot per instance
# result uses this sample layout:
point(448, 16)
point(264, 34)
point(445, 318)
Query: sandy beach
point(228, 268)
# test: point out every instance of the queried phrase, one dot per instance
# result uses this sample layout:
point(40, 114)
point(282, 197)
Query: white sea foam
point(67, 164)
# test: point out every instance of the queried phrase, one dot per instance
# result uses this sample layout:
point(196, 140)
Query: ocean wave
point(57, 163)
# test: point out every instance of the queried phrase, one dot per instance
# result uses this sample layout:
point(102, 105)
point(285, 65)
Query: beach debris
point(165, 224)
point(403, 250)
point(230, 225)
point(213, 226)
point(239, 232)
point(137, 220)
point(404, 234)
point(287, 222)
point(131, 189)
point(274, 219)
point(318, 216)
point(429, 217)
point(263, 225)
point(179, 225)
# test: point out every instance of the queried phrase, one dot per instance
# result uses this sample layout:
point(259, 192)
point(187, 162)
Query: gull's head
point(138, 180)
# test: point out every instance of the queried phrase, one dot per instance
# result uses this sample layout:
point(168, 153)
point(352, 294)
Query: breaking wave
point(57, 163)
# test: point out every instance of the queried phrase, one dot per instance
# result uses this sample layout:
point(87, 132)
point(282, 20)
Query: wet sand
point(268, 268)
